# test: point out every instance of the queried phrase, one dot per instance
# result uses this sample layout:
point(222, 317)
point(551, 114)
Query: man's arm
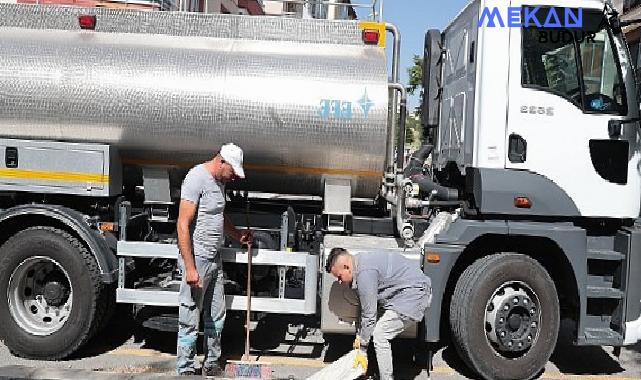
point(368, 296)
point(186, 213)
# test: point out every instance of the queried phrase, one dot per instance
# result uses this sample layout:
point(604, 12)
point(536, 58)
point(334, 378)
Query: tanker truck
point(522, 205)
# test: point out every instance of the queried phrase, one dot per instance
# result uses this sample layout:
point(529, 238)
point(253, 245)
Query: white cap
point(234, 156)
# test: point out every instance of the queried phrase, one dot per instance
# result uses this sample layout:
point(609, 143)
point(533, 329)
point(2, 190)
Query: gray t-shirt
point(202, 189)
point(393, 282)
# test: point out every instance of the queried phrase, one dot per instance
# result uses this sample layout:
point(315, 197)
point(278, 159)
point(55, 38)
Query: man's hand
point(246, 237)
point(193, 278)
point(357, 343)
point(360, 359)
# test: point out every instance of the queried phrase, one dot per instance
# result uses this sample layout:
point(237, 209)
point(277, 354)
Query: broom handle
point(249, 298)
point(249, 288)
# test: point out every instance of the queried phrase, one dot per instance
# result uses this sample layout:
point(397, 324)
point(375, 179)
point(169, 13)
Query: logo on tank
point(344, 109)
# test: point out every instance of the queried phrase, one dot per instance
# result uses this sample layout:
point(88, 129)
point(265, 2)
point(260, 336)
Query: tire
point(77, 294)
point(478, 309)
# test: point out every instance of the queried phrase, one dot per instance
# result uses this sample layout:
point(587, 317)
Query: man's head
point(340, 265)
point(229, 163)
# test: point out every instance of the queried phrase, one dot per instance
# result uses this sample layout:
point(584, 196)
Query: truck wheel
point(50, 294)
point(504, 317)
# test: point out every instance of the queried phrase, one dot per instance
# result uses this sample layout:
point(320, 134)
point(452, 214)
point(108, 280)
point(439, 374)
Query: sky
point(413, 18)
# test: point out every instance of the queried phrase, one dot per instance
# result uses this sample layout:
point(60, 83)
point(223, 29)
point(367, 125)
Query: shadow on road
point(582, 360)
point(454, 361)
point(120, 329)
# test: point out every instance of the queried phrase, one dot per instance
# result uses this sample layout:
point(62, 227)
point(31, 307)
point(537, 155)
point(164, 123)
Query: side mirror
point(432, 61)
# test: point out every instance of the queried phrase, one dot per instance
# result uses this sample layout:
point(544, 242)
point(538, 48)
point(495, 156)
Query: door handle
point(517, 149)
point(615, 126)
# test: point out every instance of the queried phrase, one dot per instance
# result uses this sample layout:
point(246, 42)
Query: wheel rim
point(513, 319)
point(40, 295)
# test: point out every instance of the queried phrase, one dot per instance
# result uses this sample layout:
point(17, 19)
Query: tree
point(416, 82)
point(414, 131)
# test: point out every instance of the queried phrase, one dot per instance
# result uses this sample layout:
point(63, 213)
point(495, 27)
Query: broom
point(247, 368)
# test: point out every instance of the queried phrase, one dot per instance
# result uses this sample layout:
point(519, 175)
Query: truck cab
point(532, 111)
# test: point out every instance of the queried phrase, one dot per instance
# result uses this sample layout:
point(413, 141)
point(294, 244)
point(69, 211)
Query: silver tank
point(305, 99)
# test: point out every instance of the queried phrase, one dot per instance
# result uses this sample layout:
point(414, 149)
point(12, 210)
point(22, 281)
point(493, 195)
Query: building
point(246, 7)
point(149, 5)
point(238, 7)
point(332, 10)
point(631, 10)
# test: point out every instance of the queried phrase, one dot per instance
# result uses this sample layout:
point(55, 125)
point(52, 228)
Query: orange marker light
point(522, 202)
point(107, 227)
point(433, 258)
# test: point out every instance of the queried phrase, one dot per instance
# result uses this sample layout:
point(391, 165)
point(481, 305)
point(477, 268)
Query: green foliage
point(414, 133)
point(416, 81)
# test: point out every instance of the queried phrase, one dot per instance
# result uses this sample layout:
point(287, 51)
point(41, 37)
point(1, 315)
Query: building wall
point(631, 9)
point(330, 12)
point(148, 5)
point(274, 8)
point(249, 7)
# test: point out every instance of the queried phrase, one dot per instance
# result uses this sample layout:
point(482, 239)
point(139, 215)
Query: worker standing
point(389, 281)
point(201, 225)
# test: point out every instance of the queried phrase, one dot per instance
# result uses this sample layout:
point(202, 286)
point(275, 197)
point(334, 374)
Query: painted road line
point(141, 352)
point(317, 363)
point(562, 376)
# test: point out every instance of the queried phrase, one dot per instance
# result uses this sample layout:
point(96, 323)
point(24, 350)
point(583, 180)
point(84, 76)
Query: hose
point(425, 184)
point(415, 166)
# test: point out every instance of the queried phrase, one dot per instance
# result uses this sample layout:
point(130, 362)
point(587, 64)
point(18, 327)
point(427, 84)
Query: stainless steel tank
point(305, 99)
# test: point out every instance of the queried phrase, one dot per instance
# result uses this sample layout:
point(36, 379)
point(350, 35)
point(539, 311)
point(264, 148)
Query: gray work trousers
point(211, 300)
point(387, 328)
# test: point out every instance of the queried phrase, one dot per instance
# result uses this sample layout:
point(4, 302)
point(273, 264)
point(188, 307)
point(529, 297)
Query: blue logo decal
point(336, 109)
point(343, 109)
point(531, 16)
point(366, 104)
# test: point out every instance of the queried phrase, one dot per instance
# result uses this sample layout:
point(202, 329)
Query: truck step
point(600, 336)
point(604, 281)
point(605, 254)
point(603, 292)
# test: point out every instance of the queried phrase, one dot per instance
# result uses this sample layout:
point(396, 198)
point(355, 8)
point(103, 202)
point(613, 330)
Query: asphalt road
point(125, 349)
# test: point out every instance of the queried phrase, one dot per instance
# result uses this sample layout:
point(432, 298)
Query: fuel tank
point(305, 99)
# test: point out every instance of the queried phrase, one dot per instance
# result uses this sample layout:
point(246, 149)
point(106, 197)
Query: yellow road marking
point(317, 363)
point(562, 376)
point(54, 176)
point(143, 352)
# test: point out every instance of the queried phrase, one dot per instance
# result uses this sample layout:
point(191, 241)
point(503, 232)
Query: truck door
point(569, 89)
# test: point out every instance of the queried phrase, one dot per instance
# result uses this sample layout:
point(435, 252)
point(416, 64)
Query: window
point(550, 65)
point(593, 82)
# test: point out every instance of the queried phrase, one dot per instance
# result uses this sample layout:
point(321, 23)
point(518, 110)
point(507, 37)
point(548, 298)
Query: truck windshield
point(550, 62)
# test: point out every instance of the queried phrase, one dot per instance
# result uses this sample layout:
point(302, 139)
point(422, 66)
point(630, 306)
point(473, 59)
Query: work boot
point(212, 372)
